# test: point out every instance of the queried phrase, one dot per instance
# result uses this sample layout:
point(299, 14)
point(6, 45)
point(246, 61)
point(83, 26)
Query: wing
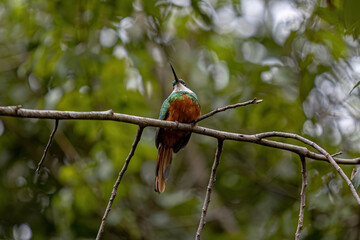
point(182, 142)
point(164, 113)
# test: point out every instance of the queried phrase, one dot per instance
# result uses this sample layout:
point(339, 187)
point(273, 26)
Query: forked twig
point(209, 188)
point(118, 180)
point(47, 146)
point(213, 112)
point(302, 197)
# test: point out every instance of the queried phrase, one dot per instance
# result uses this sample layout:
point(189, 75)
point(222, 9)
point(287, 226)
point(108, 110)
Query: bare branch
point(302, 197)
point(336, 154)
point(118, 180)
point(47, 146)
point(217, 110)
point(17, 111)
point(209, 188)
point(318, 148)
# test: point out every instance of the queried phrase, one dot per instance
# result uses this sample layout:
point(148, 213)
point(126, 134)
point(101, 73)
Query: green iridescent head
point(179, 81)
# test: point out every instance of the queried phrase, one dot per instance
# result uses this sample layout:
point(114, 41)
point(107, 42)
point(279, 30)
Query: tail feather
point(163, 167)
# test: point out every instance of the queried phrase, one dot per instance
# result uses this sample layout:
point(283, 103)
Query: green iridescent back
point(176, 96)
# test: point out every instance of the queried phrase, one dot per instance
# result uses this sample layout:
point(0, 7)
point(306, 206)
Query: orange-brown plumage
point(184, 111)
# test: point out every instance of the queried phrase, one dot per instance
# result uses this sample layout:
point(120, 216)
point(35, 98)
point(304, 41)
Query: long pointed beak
point(176, 78)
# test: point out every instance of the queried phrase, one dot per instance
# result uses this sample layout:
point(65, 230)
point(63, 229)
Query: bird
point(182, 106)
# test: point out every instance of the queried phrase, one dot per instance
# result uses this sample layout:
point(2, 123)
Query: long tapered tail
point(162, 167)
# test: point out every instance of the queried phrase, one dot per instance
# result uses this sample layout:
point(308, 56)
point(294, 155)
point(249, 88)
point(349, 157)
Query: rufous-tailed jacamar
point(181, 106)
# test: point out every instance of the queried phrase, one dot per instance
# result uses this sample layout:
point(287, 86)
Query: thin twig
point(302, 197)
point(118, 180)
point(47, 146)
point(318, 148)
point(213, 112)
point(336, 154)
point(209, 188)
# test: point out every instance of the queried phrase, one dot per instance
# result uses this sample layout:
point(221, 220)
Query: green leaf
point(357, 84)
point(356, 179)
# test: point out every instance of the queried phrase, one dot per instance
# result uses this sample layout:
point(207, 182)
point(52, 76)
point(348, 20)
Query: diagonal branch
point(302, 197)
point(118, 180)
point(47, 146)
point(209, 188)
point(318, 148)
point(217, 110)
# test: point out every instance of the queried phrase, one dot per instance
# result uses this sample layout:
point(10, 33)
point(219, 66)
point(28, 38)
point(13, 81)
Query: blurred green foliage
point(300, 57)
